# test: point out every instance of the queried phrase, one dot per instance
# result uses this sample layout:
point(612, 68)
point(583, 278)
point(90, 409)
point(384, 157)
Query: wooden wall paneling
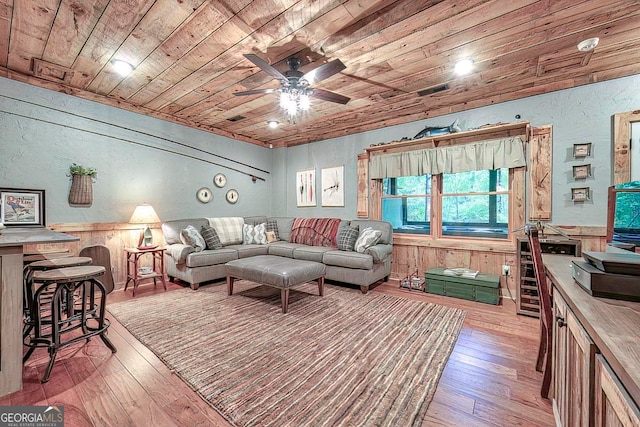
point(362, 190)
point(622, 145)
point(375, 199)
point(517, 203)
point(540, 164)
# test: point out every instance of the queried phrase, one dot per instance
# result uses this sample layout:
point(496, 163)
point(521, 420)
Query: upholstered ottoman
point(278, 272)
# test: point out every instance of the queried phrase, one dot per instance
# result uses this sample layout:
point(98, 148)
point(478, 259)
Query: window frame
point(437, 184)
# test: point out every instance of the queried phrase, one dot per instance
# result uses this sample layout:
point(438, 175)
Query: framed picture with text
point(580, 194)
point(582, 150)
point(581, 171)
point(22, 207)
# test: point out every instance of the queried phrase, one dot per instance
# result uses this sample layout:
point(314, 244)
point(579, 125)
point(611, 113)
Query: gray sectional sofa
point(362, 269)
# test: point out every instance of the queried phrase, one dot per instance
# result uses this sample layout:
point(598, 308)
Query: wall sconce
point(145, 214)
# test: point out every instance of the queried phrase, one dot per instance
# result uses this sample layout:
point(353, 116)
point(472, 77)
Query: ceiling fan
point(296, 87)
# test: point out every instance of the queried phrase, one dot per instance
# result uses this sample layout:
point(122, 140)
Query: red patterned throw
point(315, 231)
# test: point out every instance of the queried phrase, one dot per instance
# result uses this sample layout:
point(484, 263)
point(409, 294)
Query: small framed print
point(580, 194)
point(581, 171)
point(582, 150)
point(22, 208)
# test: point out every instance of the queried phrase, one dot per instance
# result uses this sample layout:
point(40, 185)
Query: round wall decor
point(204, 195)
point(220, 180)
point(232, 196)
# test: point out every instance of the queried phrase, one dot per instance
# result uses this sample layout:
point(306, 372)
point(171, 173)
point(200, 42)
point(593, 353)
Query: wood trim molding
point(540, 176)
point(491, 132)
point(621, 145)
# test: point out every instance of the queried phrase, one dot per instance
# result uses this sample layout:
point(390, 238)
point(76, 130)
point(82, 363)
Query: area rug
point(345, 359)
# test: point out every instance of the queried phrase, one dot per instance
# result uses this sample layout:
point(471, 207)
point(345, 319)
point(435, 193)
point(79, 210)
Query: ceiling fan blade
point(329, 96)
point(324, 71)
point(254, 92)
point(265, 66)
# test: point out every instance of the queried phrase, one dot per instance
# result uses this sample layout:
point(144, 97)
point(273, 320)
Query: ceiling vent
point(49, 71)
point(434, 89)
point(236, 118)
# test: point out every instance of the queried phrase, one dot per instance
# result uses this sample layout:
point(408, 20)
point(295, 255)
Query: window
point(473, 204)
point(406, 203)
point(476, 203)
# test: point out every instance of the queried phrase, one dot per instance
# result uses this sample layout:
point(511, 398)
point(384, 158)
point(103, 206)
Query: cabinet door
point(559, 358)
point(613, 406)
point(573, 368)
point(580, 374)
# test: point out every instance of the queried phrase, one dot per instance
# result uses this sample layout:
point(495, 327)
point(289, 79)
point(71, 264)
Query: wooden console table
point(12, 241)
point(133, 273)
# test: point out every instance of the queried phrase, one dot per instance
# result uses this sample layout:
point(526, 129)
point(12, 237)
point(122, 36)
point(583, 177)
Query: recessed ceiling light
point(122, 67)
point(273, 123)
point(464, 67)
point(588, 44)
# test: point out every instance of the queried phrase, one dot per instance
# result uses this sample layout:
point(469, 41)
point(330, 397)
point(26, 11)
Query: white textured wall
point(35, 154)
point(581, 114)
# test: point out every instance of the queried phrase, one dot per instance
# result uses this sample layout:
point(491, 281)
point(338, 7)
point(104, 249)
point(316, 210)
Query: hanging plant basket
point(81, 192)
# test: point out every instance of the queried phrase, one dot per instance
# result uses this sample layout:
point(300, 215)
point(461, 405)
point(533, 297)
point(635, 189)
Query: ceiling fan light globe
point(292, 108)
point(305, 102)
point(285, 98)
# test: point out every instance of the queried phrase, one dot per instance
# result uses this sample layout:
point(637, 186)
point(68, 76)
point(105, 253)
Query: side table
point(134, 275)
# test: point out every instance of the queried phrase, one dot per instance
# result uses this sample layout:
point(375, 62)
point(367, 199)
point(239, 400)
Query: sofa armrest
point(179, 252)
point(379, 252)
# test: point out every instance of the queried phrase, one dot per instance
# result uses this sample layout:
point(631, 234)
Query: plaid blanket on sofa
point(315, 231)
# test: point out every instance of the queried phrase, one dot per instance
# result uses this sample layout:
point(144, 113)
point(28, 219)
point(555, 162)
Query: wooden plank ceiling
point(188, 56)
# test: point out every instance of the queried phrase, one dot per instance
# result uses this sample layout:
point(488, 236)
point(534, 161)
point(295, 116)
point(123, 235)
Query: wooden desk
point(612, 325)
point(134, 275)
point(11, 244)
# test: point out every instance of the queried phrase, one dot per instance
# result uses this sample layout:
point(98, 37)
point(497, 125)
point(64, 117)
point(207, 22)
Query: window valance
point(489, 154)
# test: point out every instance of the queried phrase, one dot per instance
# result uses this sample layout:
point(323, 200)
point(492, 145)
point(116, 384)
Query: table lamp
point(144, 214)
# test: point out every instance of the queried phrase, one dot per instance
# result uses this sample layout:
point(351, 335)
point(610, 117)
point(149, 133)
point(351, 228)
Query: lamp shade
point(144, 214)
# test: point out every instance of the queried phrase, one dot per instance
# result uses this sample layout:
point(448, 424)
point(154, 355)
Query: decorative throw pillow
point(229, 229)
point(271, 236)
point(210, 236)
point(254, 234)
point(368, 237)
point(347, 238)
point(190, 236)
point(272, 225)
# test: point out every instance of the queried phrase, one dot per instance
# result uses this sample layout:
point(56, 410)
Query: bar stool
point(43, 265)
point(77, 303)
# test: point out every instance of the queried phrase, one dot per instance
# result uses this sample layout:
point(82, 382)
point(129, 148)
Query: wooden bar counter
point(612, 325)
point(12, 241)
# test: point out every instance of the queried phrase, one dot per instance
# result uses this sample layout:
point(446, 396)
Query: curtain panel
point(489, 154)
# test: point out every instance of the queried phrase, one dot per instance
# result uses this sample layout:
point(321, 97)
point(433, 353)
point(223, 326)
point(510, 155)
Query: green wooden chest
point(482, 288)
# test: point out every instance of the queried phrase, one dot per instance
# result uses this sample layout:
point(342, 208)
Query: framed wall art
point(21, 207)
point(582, 150)
point(306, 188)
point(581, 171)
point(333, 186)
point(580, 194)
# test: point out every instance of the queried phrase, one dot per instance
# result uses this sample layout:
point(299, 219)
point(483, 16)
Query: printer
point(611, 274)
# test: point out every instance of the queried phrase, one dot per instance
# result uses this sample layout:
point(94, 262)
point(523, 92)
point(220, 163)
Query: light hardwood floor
point(490, 379)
